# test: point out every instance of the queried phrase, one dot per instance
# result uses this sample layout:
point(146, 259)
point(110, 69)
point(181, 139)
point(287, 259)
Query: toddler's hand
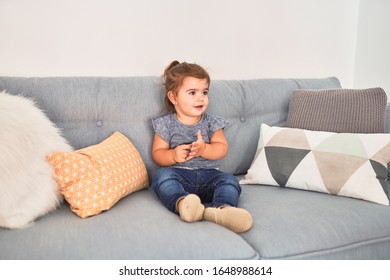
point(198, 147)
point(181, 153)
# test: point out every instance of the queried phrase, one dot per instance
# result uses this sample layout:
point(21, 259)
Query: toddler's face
point(191, 100)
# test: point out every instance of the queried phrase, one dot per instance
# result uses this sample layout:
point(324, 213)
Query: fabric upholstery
point(300, 224)
point(89, 109)
point(95, 178)
point(345, 164)
point(338, 110)
point(288, 223)
point(137, 228)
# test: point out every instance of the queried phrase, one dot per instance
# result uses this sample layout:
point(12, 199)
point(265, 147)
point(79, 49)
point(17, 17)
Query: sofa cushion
point(338, 110)
point(346, 164)
point(139, 227)
point(300, 224)
point(93, 179)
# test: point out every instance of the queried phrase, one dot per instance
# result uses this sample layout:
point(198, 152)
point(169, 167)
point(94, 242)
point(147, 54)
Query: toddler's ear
point(172, 97)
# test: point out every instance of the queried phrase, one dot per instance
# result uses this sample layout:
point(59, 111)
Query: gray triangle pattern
point(381, 175)
point(282, 162)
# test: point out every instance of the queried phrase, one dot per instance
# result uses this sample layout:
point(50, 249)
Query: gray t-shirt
point(175, 134)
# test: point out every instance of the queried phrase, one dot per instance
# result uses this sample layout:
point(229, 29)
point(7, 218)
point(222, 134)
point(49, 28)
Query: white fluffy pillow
point(28, 188)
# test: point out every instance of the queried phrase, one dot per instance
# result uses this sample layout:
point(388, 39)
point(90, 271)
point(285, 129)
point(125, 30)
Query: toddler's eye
point(192, 93)
point(205, 93)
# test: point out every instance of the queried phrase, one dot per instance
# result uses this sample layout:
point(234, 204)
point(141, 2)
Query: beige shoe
point(191, 209)
point(236, 219)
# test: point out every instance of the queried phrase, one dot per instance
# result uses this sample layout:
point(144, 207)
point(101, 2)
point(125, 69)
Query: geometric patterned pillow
point(93, 179)
point(345, 164)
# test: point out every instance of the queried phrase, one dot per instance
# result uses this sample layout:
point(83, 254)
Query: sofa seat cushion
point(137, 227)
point(299, 224)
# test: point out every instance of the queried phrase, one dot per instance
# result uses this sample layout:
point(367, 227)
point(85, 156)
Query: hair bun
point(170, 66)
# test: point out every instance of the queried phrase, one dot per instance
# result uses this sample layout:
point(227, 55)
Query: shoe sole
point(235, 219)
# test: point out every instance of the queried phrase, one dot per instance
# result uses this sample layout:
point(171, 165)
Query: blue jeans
point(211, 185)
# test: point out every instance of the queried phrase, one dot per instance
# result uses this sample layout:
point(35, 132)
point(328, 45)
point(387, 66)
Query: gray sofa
point(288, 223)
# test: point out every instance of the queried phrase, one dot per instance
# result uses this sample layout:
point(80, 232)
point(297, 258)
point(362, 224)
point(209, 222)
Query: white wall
point(373, 45)
point(233, 39)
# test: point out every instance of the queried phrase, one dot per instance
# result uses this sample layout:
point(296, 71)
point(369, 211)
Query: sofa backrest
point(89, 109)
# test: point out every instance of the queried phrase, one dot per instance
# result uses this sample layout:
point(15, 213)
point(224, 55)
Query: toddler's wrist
point(173, 156)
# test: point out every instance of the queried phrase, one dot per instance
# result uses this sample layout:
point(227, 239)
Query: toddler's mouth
point(199, 107)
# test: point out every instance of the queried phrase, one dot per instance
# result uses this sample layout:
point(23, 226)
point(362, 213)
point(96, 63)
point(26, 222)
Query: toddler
point(188, 145)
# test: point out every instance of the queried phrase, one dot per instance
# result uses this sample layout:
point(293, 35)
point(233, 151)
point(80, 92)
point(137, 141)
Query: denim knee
point(227, 191)
point(166, 184)
point(229, 179)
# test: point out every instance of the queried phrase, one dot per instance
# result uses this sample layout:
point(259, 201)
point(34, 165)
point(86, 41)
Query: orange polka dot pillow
point(93, 179)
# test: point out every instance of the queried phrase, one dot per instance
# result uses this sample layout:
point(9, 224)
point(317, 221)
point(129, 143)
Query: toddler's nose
point(200, 97)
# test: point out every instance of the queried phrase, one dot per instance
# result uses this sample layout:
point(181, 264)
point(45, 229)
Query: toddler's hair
point(174, 75)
